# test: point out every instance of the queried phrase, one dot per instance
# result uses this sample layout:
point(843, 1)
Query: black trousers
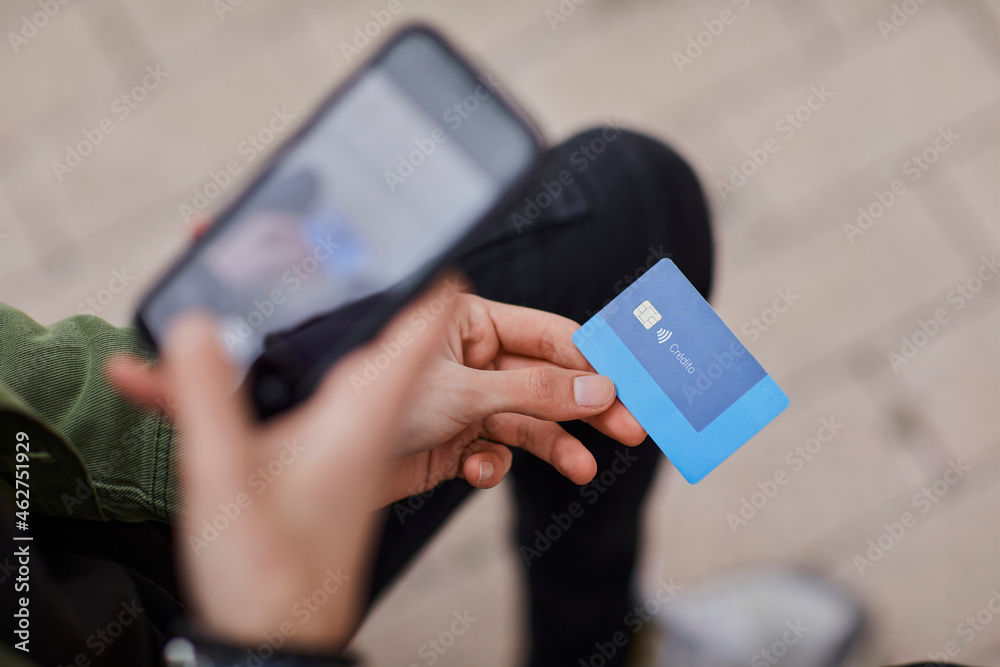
point(602, 208)
point(629, 201)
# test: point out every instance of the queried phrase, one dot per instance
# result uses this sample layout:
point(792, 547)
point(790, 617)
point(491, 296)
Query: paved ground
point(896, 85)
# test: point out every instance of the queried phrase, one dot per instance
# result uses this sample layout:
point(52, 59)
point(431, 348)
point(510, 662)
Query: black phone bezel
point(415, 283)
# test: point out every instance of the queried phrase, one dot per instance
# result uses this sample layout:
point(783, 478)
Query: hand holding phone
point(348, 220)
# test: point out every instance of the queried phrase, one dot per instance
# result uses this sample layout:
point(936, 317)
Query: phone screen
point(391, 172)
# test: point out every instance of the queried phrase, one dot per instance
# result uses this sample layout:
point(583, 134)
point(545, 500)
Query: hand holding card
point(680, 371)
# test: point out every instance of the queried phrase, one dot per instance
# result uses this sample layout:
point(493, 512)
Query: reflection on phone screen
point(376, 188)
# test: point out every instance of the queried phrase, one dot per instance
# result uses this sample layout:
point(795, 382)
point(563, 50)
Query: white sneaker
point(766, 619)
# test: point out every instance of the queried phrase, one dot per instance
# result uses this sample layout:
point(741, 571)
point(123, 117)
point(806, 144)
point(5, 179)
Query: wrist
point(193, 649)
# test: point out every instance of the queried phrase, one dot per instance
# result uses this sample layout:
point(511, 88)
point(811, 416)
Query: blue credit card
point(680, 370)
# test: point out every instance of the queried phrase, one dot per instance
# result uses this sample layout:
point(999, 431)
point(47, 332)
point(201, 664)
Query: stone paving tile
point(863, 17)
point(883, 105)
point(932, 577)
point(893, 267)
point(625, 64)
point(953, 383)
point(136, 166)
point(17, 252)
point(507, 32)
point(34, 199)
point(471, 566)
point(976, 179)
point(789, 224)
point(742, 224)
point(800, 496)
point(60, 63)
point(142, 246)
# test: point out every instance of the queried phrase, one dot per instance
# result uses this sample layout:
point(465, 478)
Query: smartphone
point(358, 211)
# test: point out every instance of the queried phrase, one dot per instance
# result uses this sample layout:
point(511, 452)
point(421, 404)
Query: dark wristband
point(190, 649)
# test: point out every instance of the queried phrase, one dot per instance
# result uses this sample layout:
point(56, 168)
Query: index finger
point(538, 334)
point(616, 422)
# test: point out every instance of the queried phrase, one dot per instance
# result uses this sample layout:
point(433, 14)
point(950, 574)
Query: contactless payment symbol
point(647, 315)
point(662, 335)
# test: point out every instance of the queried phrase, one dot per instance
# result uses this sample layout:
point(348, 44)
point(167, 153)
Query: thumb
point(214, 424)
point(544, 392)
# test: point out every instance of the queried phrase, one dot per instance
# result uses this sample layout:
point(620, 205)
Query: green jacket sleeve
point(94, 454)
point(12, 658)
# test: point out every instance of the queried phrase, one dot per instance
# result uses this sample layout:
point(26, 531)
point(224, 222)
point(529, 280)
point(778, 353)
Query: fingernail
point(485, 470)
point(593, 391)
